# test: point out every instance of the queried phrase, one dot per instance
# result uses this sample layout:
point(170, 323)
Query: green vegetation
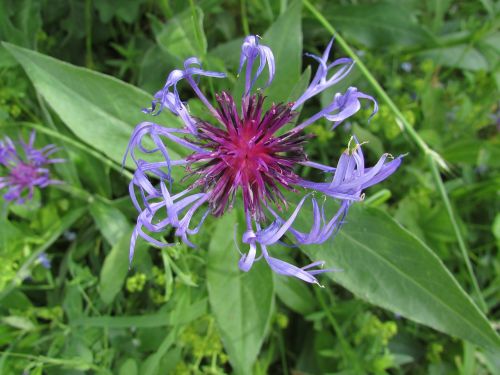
point(419, 286)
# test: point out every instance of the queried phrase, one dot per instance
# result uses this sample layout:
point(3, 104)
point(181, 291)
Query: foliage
point(79, 72)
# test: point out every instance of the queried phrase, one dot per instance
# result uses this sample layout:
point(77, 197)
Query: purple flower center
point(23, 174)
point(247, 154)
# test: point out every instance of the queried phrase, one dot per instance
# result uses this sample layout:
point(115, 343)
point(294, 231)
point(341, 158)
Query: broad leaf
point(99, 109)
point(183, 35)
point(115, 268)
point(111, 221)
point(284, 37)
point(152, 363)
point(295, 294)
point(182, 311)
point(461, 56)
point(387, 266)
point(129, 367)
point(377, 25)
point(241, 302)
point(20, 21)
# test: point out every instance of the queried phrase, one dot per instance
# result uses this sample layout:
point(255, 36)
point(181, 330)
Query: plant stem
point(244, 19)
point(49, 238)
point(378, 88)
point(71, 363)
point(433, 158)
point(456, 228)
point(81, 147)
point(348, 351)
point(284, 365)
point(89, 61)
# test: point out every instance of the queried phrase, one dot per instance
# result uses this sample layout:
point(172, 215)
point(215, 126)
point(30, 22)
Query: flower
point(252, 150)
point(44, 260)
point(22, 172)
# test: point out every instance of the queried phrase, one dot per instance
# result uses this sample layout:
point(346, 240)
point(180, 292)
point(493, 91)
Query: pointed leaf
point(379, 24)
point(386, 265)
point(110, 220)
point(284, 37)
point(99, 109)
point(241, 302)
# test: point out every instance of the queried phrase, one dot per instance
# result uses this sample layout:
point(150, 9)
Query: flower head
point(23, 167)
point(253, 149)
point(44, 260)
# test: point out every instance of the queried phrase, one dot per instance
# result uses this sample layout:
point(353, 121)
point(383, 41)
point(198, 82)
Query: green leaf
point(72, 302)
point(377, 25)
point(298, 89)
point(387, 266)
point(184, 312)
point(92, 173)
point(462, 56)
point(295, 294)
point(20, 21)
point(129, 367)
point(124, 10)
point(284, 37)
point(464, 150)
point(115, 268)
point(52, 233)
point(154, 68)
point(151, 365)
point(241, 302)
point(10, 236)
point(111, 221)
point(19, 322)
point(292, 292)
point(123, 322)
point(373, 142)
point(228, 53)
point(183, 35)
point(101, 110)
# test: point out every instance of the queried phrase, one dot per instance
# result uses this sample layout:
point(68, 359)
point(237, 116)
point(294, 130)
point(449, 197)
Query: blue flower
point(22, 172)
point(252, 150)
point(44, 260)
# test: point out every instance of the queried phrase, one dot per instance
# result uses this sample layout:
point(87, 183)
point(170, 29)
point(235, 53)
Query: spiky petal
point(23, 171)
point(247, 154)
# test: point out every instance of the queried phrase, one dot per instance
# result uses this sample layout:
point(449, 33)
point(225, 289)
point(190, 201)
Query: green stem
point(186, 279)
point(81, 147)
point(169, 280)
point(348, 351)
point(26, 110)
point(45, 111)
point(283, 6)
point(71, 176)
point(456, 228)
point(244, 18)
point(165, 7)
point(50, 237)
point(433, 158)
point(204, 345)
point(378, 198)
point(284, 365)
point(89, 61)
point(196, 23)
point(75, 192)
point(378, 88)
point(72, 363)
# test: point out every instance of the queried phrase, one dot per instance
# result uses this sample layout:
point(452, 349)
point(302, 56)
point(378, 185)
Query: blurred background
point(68, 304)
